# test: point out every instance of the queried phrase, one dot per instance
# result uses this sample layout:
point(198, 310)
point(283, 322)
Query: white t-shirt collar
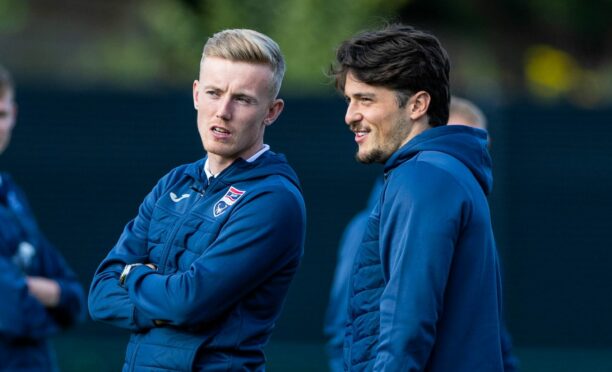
point(209, 174)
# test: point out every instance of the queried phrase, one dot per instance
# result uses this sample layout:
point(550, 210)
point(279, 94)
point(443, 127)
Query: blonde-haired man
point(200, 275)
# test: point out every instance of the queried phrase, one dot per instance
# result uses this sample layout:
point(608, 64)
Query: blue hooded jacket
point(425, 287)
point(25, 323)
point(225, 253)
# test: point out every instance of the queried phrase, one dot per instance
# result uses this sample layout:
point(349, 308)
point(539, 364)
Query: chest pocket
point(198, 233)
point(161, 225)
point(181, 231)
point(192, 240)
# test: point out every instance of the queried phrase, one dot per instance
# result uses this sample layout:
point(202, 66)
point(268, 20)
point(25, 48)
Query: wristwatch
point(126, 271)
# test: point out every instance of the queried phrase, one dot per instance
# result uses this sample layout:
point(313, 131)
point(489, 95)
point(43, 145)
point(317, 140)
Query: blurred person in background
point(425, 288)
point(40, 294)
point(465, 112)
point(200, 275)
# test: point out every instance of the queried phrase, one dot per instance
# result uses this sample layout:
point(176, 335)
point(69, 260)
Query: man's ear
point(418, 105)
point(274, 111)
point(196, 96)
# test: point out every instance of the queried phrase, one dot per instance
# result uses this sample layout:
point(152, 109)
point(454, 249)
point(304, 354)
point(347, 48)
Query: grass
point(77, 353)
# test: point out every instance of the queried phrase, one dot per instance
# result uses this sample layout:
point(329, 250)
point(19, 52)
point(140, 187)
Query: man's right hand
point(45, 290)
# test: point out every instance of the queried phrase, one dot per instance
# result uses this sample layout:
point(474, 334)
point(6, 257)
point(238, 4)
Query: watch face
point(126, 271)
point(124, 274)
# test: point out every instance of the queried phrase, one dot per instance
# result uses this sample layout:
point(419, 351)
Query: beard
point(385, 145)
point(374, 156)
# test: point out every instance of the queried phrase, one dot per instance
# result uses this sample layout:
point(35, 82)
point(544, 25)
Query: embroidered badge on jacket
point(175, 198)
point(231, 196)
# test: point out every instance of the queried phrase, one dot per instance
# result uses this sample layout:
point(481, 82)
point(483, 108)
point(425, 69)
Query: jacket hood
point(466, 144)
point(268, 164)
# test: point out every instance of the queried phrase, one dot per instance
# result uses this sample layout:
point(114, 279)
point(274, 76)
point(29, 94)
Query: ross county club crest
point(231, 196)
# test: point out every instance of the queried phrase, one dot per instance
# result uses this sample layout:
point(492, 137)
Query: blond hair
point(465, 112)
point(243, 45)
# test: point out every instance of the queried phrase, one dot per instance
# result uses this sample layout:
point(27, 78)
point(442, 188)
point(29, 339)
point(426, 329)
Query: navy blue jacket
point(425, 287)
point(226, 253)
point(25, 323)
point(337, 308)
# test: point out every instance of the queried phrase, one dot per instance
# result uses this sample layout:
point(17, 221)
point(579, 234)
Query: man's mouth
point(220, 130)
point(220, 133)
point(360, 134)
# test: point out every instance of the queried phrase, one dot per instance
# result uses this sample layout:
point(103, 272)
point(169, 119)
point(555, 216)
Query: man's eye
point(243, 99)
point(212, 93)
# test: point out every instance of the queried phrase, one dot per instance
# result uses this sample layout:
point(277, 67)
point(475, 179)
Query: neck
point(418, 127)
point(217, 164)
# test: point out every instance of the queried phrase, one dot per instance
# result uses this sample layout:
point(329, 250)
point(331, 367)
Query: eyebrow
point(361, 95)
point(245, 95)
point(250, 97)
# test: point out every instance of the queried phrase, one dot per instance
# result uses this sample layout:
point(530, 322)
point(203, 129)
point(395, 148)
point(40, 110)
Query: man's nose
point(353, 115)
point(224, 110)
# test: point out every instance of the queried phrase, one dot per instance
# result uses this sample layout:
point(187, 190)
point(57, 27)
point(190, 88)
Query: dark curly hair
point(401, 58)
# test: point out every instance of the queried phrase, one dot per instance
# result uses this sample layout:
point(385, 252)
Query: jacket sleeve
point(108, 301)
point(21, 315)
point(71, 306)
point(420, 220)
point(25, 316)
point(262, 235)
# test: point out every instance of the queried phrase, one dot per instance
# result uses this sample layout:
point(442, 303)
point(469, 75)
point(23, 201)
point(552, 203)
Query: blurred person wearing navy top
point(40, 293)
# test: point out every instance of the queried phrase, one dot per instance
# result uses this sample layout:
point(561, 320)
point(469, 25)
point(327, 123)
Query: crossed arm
point(255, 244)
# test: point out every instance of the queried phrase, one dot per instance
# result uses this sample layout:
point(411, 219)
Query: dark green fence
point(86, 160)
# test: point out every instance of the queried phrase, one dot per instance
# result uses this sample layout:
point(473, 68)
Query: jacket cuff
point(135, 275)
point(71, 302)
point(141, 321)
